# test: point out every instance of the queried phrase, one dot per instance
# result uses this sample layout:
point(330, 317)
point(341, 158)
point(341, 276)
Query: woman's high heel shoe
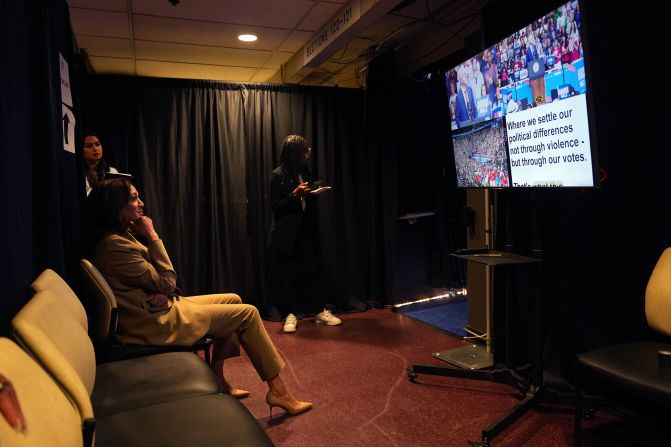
point(276, 401)
point(238, 393)
point(226, 388)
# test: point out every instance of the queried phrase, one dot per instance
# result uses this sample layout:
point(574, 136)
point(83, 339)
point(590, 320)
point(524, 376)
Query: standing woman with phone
point(293, 237)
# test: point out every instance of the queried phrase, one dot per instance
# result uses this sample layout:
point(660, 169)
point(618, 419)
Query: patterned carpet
point(356, 376)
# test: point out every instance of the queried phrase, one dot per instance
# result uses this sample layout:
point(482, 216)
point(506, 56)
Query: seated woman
point(143, 280)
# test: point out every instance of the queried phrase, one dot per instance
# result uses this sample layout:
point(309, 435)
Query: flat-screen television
point(519, 110)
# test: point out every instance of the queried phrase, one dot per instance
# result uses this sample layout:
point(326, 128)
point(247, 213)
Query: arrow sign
point(68, 129)
point(66, 121)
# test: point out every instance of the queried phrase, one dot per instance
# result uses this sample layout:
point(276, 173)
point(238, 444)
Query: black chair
point(640, 372)
point(105, 315)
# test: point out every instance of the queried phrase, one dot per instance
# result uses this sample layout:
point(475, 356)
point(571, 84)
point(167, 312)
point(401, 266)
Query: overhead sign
point(348, 15)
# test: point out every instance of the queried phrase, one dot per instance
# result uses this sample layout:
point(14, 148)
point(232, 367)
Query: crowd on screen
point(555, 39)
point(481, 158)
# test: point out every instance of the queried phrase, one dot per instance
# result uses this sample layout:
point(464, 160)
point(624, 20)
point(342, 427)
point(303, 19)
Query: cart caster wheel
point(411, 375)
point(588, 413)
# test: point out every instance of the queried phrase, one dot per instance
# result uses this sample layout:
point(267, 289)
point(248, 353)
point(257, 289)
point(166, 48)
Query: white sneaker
point(327, 317)
point(290, 323)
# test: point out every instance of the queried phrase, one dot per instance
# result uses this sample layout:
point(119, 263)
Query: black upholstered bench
point(168, 399)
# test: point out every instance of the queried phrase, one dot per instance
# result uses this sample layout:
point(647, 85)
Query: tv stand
point(529, 385)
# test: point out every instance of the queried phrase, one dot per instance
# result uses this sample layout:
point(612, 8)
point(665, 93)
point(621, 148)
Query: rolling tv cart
point(530, 387)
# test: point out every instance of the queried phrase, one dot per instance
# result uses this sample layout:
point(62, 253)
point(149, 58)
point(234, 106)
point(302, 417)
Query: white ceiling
point(197, 39)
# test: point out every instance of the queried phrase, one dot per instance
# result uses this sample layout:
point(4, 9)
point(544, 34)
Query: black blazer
point(288, 212)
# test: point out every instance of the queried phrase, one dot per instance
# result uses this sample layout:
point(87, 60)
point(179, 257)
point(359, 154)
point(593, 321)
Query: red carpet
point(355, 375)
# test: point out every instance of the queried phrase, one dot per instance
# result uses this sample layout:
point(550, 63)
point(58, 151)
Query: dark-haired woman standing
point(293, 237)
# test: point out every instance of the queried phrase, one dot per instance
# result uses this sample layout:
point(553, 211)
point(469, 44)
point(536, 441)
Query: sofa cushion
point(147, 380)
point(212, 420)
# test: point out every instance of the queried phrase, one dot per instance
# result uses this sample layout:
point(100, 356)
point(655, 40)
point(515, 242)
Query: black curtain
point(378, 177)
point(202, 152)
point(39, 178)
point(15, 87)
point(56, 193)
point(425, 183)
point(449, 232)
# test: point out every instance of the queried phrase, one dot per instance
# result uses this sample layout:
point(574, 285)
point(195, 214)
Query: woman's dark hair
point(101, 168)
point(293, 148)
point(103, 209)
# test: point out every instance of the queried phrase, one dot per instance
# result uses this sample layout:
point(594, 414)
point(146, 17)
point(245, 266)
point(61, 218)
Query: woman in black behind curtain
point(95, 165)
point(293, 237)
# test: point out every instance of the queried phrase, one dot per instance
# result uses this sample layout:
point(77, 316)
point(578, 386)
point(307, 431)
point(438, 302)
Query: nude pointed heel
point(239, 394)
point(275, 401)
point(226, 388)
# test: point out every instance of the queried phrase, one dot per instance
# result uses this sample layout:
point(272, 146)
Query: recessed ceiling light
point(247, 37)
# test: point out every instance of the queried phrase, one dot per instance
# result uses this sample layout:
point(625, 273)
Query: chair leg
point(577, 418)
point(88, 429)
point(208, 355)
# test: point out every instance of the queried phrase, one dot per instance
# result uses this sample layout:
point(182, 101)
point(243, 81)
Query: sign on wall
point(67, 114)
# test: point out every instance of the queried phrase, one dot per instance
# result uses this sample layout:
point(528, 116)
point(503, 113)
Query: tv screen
point(518, 110)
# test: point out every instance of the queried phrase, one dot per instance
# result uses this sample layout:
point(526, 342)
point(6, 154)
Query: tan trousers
point(228, 316)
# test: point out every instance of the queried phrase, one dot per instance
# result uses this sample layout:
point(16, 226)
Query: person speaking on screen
point(465, 110)
point(292, 240)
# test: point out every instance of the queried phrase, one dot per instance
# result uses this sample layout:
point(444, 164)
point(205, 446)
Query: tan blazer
point(134, 272)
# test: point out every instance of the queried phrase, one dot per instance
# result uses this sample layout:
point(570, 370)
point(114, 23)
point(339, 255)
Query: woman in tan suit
point(144, 281)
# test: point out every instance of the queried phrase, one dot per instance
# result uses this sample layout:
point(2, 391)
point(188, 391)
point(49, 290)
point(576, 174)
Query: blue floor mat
point(449, 315)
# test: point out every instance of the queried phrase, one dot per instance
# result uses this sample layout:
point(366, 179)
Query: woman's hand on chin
point(144, 226)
